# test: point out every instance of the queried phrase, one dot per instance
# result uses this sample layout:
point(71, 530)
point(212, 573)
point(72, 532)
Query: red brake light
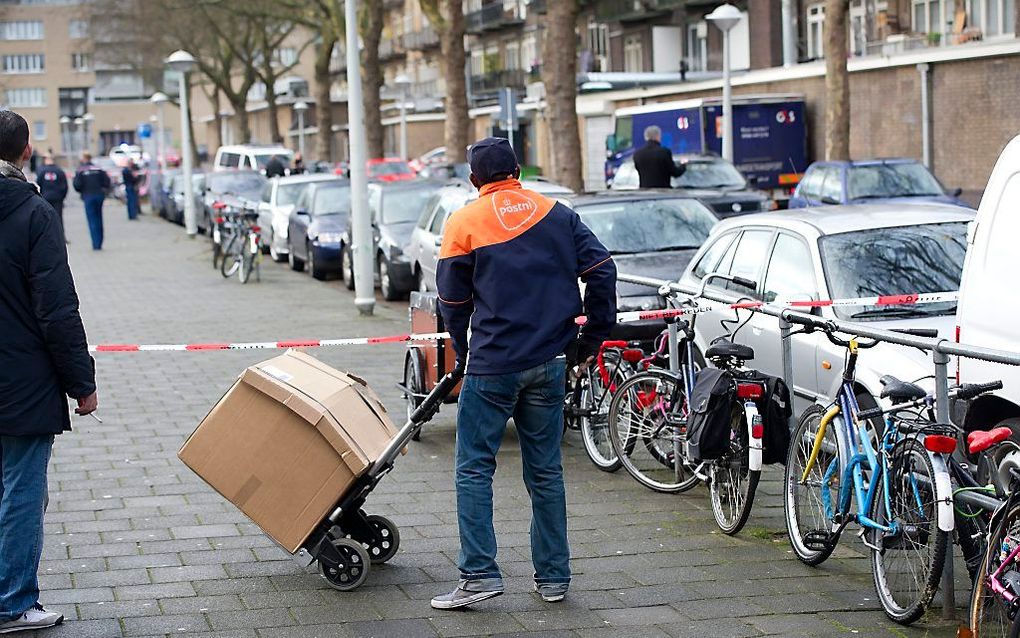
point(749, 391)
point(757, 430)
point(256, 229)
point(220, 220)
point(219, 205)
point(940, 443)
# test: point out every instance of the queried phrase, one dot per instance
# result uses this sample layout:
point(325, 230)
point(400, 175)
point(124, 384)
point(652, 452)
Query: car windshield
point(263, 158)
point(287, 194)
point(405, 205)
point(244, 184)
point(891, 180)
point(388, 168)
point(709, 174)
point(334, 199)
point(648, 225)
point(895, 261)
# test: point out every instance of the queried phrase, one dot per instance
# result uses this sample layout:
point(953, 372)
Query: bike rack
point(941, 349)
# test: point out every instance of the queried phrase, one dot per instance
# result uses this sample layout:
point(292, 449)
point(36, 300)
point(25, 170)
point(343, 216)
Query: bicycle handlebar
point(966, 391)
point(927, 333)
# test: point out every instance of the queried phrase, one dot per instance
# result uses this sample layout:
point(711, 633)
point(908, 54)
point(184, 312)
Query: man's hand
point(87, 405)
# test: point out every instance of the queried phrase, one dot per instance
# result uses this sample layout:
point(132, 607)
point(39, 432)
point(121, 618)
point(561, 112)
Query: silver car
point(427, 236)
point(836, 252)
point(276, 203)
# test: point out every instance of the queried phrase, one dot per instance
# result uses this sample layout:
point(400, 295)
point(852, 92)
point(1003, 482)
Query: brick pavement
point(138, 546)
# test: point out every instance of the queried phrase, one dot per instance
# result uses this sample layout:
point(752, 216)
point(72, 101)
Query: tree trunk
point(837, 81)
point(323, 105)
point(372, 76)
point(274, 116)
point(559, 74)
point(458, 122)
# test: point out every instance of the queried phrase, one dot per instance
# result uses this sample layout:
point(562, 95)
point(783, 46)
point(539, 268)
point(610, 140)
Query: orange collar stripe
point(503, 212)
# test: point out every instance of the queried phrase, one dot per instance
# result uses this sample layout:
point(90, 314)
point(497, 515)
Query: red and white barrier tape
point(264, 345)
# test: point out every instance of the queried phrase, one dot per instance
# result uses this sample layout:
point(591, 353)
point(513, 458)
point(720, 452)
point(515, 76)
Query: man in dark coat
point(93, 183)
point(53, 187)
point(654, 162)
point(43, 359)
point(130, 178)
point(275, 167)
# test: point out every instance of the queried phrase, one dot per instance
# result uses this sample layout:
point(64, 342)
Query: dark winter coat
point(43, 351)
point(52, 183)
point(655, 166)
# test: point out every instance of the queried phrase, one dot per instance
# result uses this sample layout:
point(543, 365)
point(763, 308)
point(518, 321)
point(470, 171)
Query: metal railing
point(424, 38)
point(495, 80)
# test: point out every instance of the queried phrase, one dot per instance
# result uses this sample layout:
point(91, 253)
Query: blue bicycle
point(847, 466)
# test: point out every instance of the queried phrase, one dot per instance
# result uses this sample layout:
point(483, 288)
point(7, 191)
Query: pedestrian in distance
point(299, 165)
point(654, 162)
point(53, 187)
point(508, 287)
point(275, 167)
point(43, 359)
point(92, 183)
point(130, 178)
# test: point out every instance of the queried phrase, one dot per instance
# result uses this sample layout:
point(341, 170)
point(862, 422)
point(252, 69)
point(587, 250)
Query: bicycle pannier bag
point(712, 401)
point(776, 409)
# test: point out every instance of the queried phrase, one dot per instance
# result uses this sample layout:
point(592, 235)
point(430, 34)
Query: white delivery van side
point(988, 313)
point(250, 157)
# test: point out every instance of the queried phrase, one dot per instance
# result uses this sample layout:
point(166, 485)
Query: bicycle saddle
point(979, 441)
point(728, 349)
point(900, 391)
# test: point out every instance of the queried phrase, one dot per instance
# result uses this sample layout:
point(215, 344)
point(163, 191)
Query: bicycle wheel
point(731, 482)
point(247, 263)
point(594, 420)
point(651, 406)
point(807, 524)
point(908, 566)
point(989, 612)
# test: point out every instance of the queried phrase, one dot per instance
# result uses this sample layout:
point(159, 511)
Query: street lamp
point(88, 118)
point(403, 83)
point(725, 17)
point(65, 134)
point(362, 253)
point(300, 108)
point(183, 62)
point(160, 99)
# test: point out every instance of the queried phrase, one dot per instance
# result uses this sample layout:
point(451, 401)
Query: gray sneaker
point(552, 592)
point(469, 592)
point(37, 617)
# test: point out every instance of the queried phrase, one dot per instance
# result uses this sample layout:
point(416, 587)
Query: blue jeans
point(94, 217)
point(131, 195)
point(23, 498)
point(534, 398)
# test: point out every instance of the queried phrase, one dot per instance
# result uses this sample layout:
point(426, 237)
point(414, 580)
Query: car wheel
point(297, 265)
point(313, 268)
point(389, 292)
point(347, 266)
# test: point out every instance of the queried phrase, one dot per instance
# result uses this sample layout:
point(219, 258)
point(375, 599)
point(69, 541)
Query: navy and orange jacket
point(508, 269)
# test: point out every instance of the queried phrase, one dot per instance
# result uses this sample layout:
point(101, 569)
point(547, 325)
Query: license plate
point(216, 235)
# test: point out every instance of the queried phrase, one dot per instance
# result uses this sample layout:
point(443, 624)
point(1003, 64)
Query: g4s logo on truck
point(786, 117)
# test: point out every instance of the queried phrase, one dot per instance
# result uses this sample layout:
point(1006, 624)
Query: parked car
point(835, 253)
point(651, 234)
point(389, 169)
point(316, 227)
point(987, 310)
point(423, 249)
point(237, 187)
point(250, 156)
point(159, 191)
point(710, 179)
point(443, 172)
point(435, 156)
point(175, 205)
point(870, 181)
point(123, 152)
point(395, 208)
point(276, 203)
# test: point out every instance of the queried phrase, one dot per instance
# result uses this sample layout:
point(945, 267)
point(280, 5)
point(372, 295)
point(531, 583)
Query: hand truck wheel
point(414, 384)
point(386, 548)
point(350, 570)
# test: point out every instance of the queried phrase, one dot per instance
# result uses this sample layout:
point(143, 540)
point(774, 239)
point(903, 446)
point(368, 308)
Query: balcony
point(633, 10)
point(492, 17)
point(421, 40)
point(496, 80)
point(389, 49)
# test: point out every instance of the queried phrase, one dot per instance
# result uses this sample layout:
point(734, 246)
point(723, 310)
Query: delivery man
point(508, 286)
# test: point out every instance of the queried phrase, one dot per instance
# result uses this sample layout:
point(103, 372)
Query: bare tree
point(370, 27)
point(837, 81)
point(447, 17)
point(559, 74)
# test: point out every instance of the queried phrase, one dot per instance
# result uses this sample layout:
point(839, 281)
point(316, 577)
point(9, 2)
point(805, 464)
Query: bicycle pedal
point(819, 540)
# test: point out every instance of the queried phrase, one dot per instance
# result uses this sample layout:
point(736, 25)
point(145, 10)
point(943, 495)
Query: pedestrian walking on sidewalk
point(275, 167)
point(92, 183)
point(43, 359)
point(53, 187)
point(508, 271)
point(654, 162)
point(130, 179)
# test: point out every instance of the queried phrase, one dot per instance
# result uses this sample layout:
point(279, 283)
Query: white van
point(988, 313)
point(250, 156)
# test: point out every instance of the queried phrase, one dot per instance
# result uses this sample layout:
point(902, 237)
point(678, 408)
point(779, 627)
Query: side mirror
point(611, 143)
point(301, 212)
point(956, 192)
point(439, 240)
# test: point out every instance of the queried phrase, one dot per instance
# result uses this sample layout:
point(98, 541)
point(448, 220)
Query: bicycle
point(243, 252)
point(995, 598)
point(899, 493)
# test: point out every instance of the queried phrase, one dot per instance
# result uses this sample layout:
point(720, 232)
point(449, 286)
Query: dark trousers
point(94, 217)
point(58, 208)
point(131, 195)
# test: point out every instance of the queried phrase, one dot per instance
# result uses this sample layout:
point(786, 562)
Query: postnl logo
point(513, 209)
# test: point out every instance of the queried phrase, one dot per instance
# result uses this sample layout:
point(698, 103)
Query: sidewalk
point(139, 546)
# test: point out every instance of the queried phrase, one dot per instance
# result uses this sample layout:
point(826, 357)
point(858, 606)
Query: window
point(815, 37)
point(477, 63)
point(633, 54)
point(750, 255)
point(430, 207)
point(78, 29)
point(24, 63)
point(710, 260)
point(626, 176)
point(530, 58)
point(21, 30)
point(598, 44)
point(436, 228)
point(230, 160)
point(992, 17)
point(26, 97)
point(933, 16)
point(267, 193)
point(287, 56)
point(512, 55)
point(81, 61)
point(832, 187)
point(697, 46)
point(39, 130)
point(791, 273)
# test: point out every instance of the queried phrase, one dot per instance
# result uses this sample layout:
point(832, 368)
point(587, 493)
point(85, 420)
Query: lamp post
point(65, 125)
point(160, 99)
point(361, 228)
point(725, 17)
point(88, 118)
point(183, 62)
point(403, 83)
point(79, 127)
point(300, 108)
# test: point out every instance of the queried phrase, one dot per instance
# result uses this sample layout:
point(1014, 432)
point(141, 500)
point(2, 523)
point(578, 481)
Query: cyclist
point(508, 268)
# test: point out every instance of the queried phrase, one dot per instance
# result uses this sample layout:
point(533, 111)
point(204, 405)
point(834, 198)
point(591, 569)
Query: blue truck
point(769, 143)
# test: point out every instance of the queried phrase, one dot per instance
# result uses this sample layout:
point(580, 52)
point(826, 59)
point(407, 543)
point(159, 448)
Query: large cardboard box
point(286, 442)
